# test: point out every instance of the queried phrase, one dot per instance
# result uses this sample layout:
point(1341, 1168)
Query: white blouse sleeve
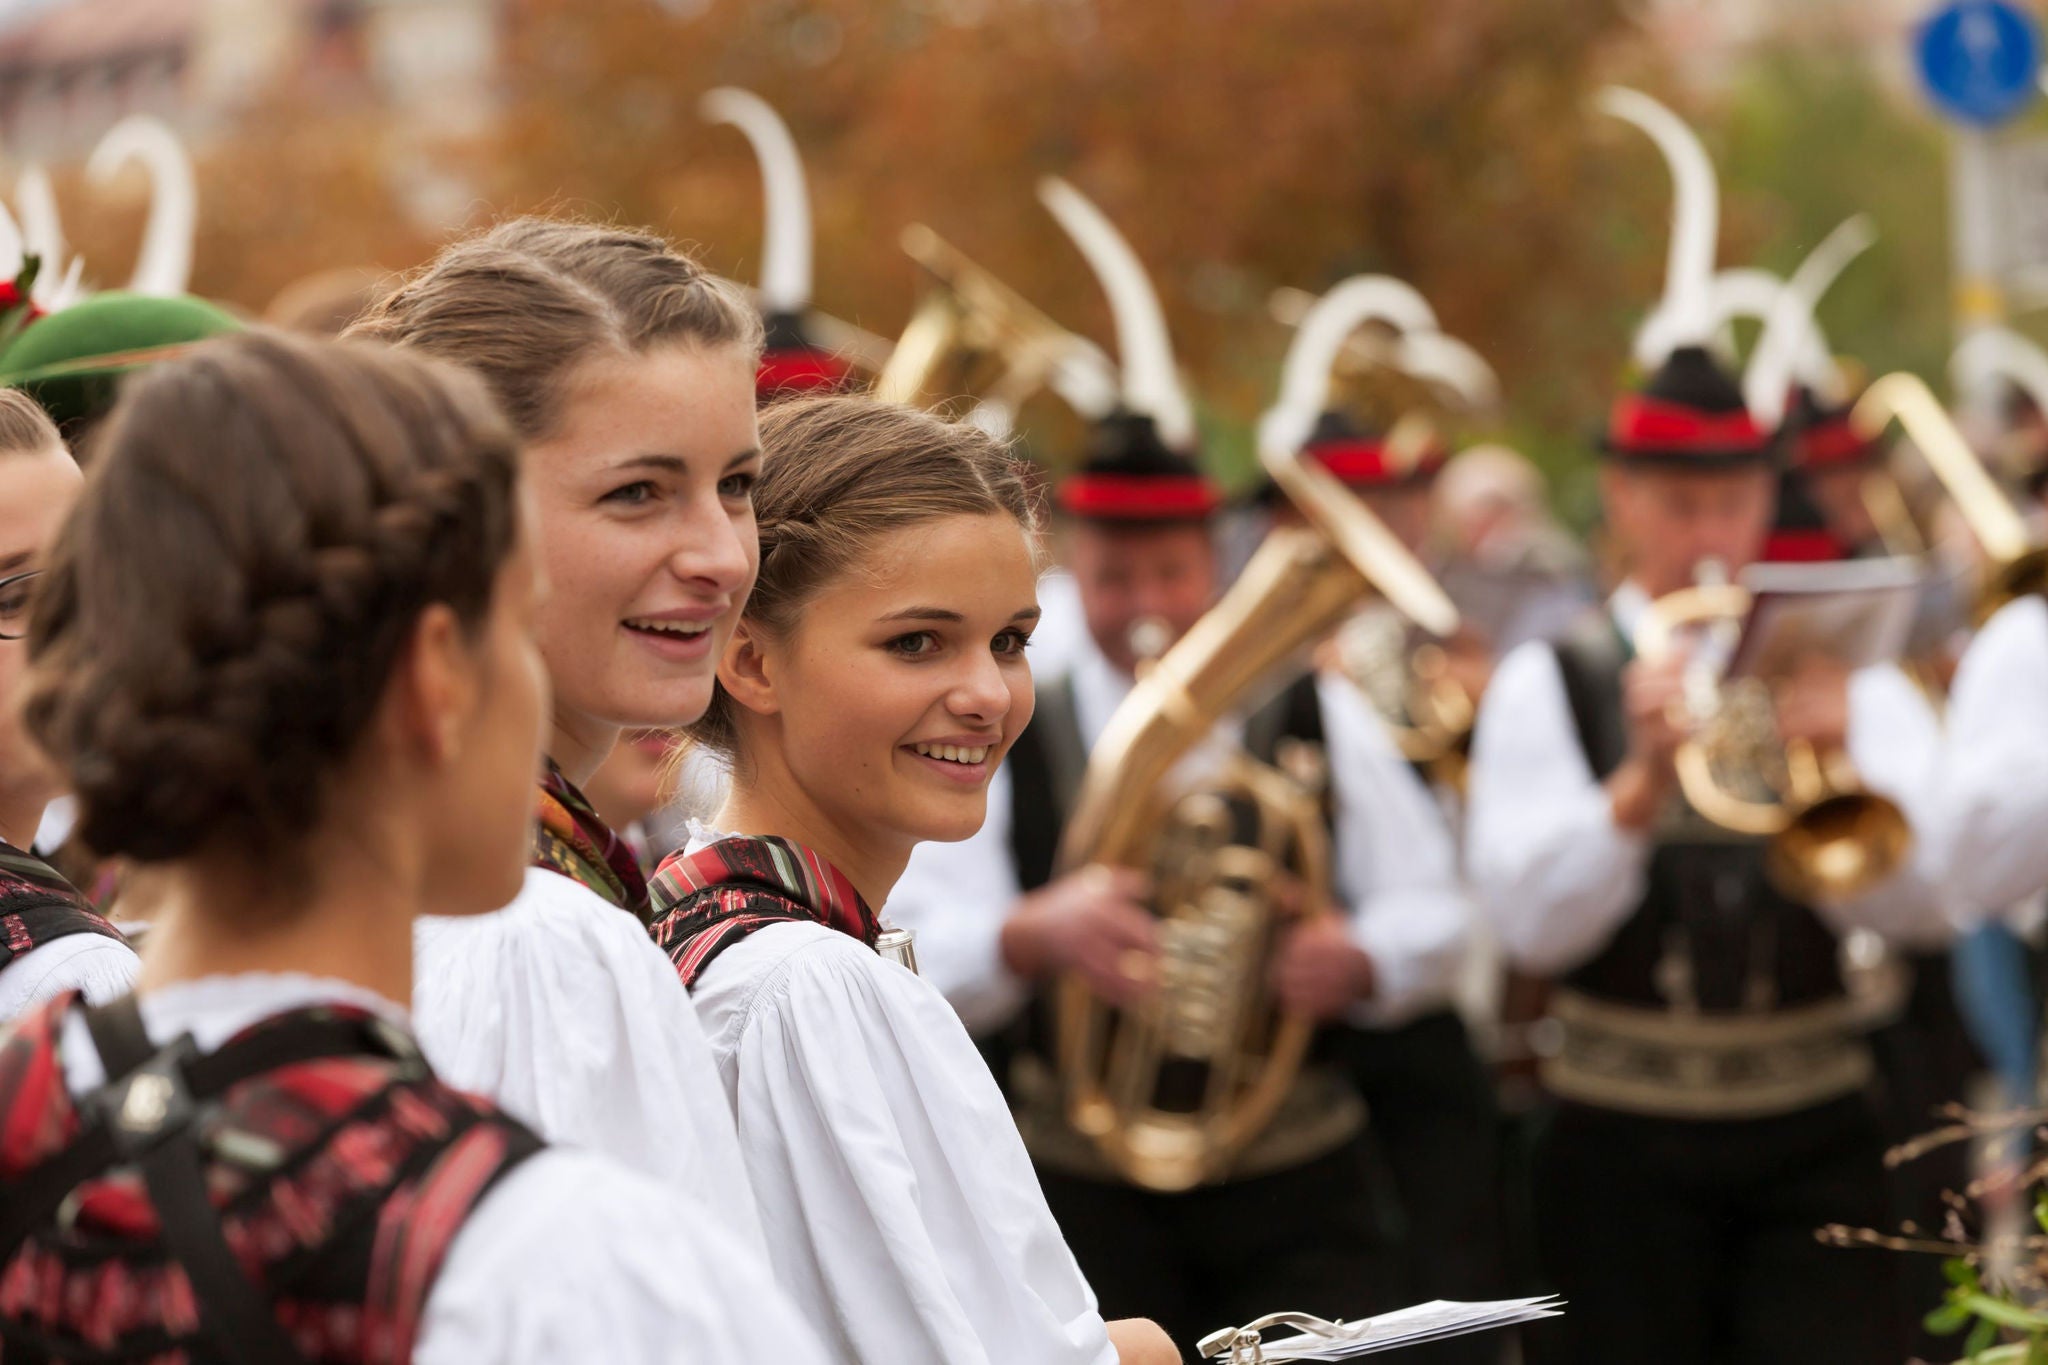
point(956, 897)
point(901, 1210)
point(1555, 875)
point(1894, 742)
point(561, 1010)
point(1991, 797)
point(102, 968)
point(571, 1258)
point(1396, 870)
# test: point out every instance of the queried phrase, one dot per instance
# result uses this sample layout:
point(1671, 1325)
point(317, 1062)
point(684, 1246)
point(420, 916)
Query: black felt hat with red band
point(1820, 437)
point(1799, 532)
point(1690, 415)
point(1130, 475)
point(1363, 458)
point(792, 363)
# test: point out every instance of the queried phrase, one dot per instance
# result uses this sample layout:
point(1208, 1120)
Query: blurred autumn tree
point(1241, 144)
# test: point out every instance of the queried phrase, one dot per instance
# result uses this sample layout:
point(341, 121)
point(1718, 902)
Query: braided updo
point(266, 521)
point(838, 474)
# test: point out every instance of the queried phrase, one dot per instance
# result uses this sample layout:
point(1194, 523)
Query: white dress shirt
point(1395, 868)
point(1558, 878)
point(569, 1257)
point(561, 1009)
point(101, 967)
point(1992, 793)
point(901, 1211)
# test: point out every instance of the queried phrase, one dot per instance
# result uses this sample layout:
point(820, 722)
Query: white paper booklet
point(1311, 1338)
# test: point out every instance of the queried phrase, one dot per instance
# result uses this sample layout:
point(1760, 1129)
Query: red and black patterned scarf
point(37, 906)
point(569, 837)
point(704, 902)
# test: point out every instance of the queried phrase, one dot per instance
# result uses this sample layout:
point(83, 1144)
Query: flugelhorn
point(968, 315)
point(2018, 566)
point(1830, 837)
point(1172, 1089)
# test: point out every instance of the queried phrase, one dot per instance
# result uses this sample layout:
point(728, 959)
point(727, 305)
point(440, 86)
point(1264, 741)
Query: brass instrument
point(2018, 566)
point(1830, 837)
point(1427, 711)
point(969, 316)
point(1173, 1088)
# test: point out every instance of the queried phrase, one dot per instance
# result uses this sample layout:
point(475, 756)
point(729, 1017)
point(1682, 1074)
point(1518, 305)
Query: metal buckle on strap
point(150, 1102)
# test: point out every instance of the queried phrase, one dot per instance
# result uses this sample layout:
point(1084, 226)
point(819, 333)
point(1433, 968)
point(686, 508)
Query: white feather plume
point(1443, 359)
point(42, 229)
point(1993, 353)
point(786, 246)
point(1792, 346)
point(1695, 223)
point(164, 266)
point(1144, 347)
point(1305, 374)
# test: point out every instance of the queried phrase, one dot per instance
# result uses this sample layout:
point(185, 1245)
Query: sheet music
point(1424, 1322)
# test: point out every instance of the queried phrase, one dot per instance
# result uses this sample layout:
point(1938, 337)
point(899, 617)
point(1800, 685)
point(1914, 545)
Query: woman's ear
point(748, 672)
point(434, 687)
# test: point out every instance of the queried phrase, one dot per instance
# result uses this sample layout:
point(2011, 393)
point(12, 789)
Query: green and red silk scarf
point(704, 902)
point(570, 838)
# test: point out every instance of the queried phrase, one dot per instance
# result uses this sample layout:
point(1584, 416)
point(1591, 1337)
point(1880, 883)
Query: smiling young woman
point(876, 679)
point(629, 372)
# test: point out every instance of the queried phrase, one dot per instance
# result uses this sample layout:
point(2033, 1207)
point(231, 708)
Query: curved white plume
point(1695, 220)
point(12, 249)
point(165, 264)
point(1791, 347)
point(1305, 375)
point(1144, 349)
point(786, 210)
point(42, 230)
point(1085, 378)
point(1445, 360)
point(1994, 353)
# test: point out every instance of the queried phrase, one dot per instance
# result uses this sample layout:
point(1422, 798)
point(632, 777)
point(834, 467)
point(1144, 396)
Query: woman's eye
point(916, 645)
point(631, 495)
point(1012, 642)
point(737, 486)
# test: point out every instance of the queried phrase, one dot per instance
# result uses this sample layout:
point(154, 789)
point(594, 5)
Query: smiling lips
point(955, 753)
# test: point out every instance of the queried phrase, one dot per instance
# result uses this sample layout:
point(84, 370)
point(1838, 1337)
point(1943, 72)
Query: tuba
point(2017, 566)
point(969, 317)
point(1172, 1089)
point(1830, 837)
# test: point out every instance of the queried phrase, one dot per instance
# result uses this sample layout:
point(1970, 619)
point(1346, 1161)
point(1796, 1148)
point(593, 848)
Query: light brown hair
point(25, 429)
point(526, 302)
point(267, 519)
point(839, 473)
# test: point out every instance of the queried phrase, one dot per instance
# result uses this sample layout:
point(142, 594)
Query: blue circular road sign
point(1980, 60)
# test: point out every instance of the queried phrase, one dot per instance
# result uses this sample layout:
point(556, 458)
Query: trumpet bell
point(1838, 847)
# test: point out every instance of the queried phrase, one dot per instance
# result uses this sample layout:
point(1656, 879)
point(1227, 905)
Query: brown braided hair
point(218, 620)
point(838, 473)
point(527, 302)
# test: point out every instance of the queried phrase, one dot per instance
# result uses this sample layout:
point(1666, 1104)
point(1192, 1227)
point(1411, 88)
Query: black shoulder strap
point(149, 1109)
point(1046, 765)
point(145, 1114)
point(1590, 660)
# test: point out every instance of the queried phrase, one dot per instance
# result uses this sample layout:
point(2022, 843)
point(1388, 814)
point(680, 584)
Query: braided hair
point(218, 620)
point(838, 474)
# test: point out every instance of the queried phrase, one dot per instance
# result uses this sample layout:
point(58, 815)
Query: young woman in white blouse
point(285, 658)
point(628, 371)
point(876, 680)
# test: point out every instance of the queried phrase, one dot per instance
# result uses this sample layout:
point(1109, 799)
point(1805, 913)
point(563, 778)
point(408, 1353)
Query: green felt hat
point(71, 362)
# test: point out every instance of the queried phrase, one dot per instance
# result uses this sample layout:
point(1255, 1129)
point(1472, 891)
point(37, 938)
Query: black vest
point(1710, 921)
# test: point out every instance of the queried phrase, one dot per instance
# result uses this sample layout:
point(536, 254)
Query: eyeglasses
point(17, 596)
